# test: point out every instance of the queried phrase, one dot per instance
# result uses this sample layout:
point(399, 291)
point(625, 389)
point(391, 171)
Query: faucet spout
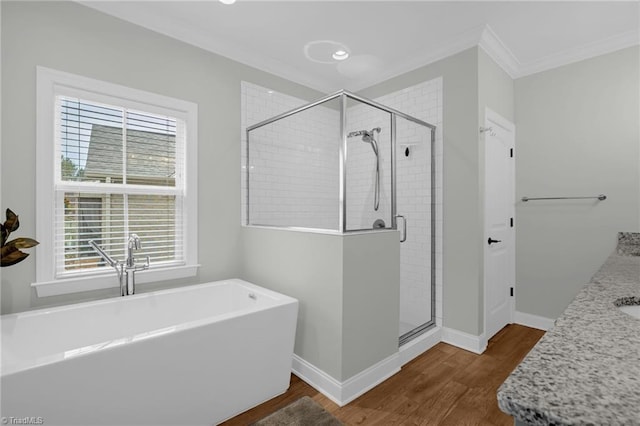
point(132, 244)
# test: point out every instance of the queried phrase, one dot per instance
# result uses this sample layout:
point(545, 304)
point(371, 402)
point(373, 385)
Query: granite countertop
point(586, 369)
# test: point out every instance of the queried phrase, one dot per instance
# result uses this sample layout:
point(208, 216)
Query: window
point(112, 161)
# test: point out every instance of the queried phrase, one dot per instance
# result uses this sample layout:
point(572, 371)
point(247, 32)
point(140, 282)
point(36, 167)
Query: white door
point(499, 235)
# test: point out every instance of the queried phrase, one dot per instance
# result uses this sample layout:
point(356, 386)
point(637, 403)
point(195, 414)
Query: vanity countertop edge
point(586, 369)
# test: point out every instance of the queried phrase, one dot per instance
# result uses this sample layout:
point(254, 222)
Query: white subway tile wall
point(425, 102)
point(361, 167)
point(413, 173)
point(295, 176)
point(294, 179)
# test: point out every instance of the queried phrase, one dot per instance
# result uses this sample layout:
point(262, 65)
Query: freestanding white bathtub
point(194, 355)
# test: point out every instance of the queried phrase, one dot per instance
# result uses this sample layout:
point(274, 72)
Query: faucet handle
point(144, 266)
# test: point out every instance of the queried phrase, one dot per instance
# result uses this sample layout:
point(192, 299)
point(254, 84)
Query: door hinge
point(511, 153)
point(511, 291)
point(511, 222)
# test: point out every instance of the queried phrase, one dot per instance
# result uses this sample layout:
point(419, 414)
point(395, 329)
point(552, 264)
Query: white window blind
point(119, 171)
point(111, 161)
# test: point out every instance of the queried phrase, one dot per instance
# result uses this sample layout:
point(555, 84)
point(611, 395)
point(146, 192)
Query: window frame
point(52, 83)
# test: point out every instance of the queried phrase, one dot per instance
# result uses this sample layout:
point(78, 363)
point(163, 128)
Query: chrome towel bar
point(599, 197)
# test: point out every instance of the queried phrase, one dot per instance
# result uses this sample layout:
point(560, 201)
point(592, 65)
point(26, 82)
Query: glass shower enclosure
point(332, 166)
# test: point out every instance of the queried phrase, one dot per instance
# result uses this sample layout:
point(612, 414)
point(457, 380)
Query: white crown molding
point(502, 55)
point(591, 50)
point(462, 42)
point(237, 53)
point(483, 37)
point(499, 52)
point(173, 29)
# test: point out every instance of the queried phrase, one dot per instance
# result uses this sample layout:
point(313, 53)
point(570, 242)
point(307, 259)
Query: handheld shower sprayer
point(113, 263)
point(367, 136)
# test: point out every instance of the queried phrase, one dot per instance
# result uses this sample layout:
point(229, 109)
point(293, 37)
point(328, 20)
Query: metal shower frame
point(344, 95)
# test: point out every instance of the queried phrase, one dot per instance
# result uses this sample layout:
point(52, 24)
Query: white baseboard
point(344, 392)
point(466, 341)
point(420, 345)
point(318, 379)
point(533, 321)
point(369, 378)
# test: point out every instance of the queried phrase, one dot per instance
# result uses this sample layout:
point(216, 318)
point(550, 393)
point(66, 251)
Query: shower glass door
point(415, 189)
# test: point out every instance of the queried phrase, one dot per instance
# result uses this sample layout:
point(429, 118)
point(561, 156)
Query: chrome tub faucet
point(131, 267)
point(126, 270)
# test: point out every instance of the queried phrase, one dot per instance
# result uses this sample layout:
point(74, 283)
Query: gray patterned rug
point(303, 412)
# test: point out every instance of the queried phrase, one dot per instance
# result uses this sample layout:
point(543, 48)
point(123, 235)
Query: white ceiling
point(387, 38)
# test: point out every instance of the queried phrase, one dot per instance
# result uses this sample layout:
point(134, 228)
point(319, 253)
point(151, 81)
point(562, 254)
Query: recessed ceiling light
point(227, 1)
point(340, 55)
point(326, 51)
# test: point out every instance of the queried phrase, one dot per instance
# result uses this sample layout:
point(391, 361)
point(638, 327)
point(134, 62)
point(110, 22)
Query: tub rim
point(22, 365)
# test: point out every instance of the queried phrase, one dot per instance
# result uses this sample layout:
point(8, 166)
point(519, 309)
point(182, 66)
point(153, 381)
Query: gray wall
point(347, 286)
point(76, 39)
point(371, 300)
point(495, 89)
point(308, 267)
point(577, 134)
point(462, 259)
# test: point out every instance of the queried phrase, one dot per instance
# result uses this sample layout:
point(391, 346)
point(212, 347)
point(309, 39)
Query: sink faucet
point(126, 271)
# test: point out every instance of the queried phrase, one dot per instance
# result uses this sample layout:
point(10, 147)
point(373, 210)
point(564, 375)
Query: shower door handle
point(404, 227)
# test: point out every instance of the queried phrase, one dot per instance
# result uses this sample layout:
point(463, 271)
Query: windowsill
point(110, 280)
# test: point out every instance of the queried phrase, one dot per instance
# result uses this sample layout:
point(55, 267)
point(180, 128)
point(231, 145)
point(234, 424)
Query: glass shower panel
point(414, 202)
point(294, 175)
point(368, 171)
point(344, 163)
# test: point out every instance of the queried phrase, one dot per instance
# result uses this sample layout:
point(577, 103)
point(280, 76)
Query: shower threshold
point(415, 332)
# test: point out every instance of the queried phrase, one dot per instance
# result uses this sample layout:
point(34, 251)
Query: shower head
point(357, 133)
point(371, 141)
point(367, 136)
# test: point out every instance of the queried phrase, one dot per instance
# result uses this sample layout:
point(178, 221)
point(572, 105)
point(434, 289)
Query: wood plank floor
point(444, 386)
